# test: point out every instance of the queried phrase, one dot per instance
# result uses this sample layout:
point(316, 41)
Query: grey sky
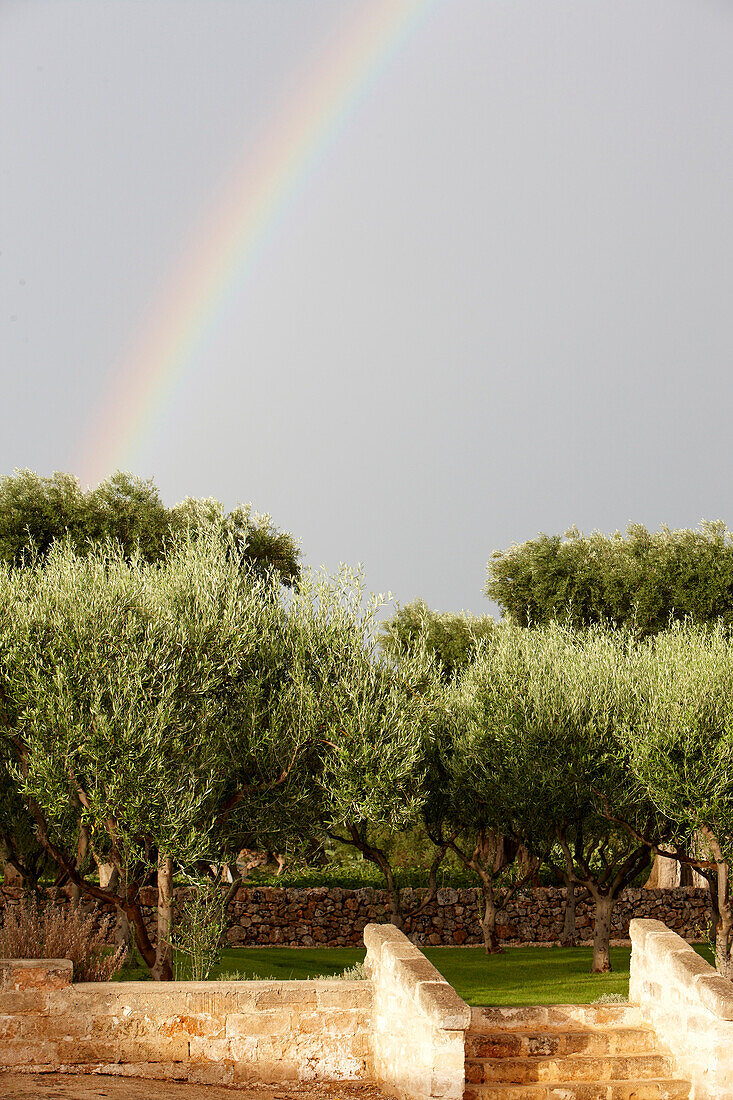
point(499, 304)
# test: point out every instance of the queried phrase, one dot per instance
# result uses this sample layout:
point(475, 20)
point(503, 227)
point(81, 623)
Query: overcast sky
point(499, 302)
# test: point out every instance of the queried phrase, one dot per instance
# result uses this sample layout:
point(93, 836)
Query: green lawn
point(522, 975)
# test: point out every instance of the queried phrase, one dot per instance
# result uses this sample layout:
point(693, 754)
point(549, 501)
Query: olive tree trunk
point(569, 935)
point(162, 971)
point(602, 933)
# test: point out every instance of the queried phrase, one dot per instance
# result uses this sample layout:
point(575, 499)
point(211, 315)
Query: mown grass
point(521, 976)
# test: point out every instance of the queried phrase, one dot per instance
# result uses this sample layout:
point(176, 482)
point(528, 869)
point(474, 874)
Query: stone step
point(538, 1043)
point(554, 1017)
point(521, 1071)
point(663, 1088)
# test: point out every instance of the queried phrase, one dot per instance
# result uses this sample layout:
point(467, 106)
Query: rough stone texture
point(19, 974)
point(567, 1052)
point(689, 1005)
point(333, 917)
point(226, 1033)
point(419, 1019)
point(404, 1028)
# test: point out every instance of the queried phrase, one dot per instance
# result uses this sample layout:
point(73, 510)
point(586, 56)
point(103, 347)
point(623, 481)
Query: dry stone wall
point(333, 917)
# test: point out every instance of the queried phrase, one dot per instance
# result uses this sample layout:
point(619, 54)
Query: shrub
point(355, 973)
point(198, 936)
point(32, 931)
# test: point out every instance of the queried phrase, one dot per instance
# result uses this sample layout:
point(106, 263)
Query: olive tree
point(640, 580)
point(151, 707)
point(538, 760)
point(377, 721)
point(680, 748)
point(452, 639)
point(36, 512)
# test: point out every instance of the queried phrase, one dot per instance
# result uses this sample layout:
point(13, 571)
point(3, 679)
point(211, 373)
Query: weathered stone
point(441, 1002)
point(690, 1006)
point(414, 1052)
point(272, 1031)
point(22, 974)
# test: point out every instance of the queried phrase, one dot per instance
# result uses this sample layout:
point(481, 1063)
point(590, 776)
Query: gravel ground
point(60, 1086)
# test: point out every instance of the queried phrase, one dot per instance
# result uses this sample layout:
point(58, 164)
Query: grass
point(521, 976)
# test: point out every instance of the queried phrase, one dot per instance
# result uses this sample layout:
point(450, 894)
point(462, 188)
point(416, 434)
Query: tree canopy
point(452, 639)
point(641, 580)
point(538, 758)
point(680, 748)
point(150, 713)
point(36, 512)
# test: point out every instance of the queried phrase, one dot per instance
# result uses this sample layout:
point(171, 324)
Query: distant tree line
point(36, 512)
point(640, 580)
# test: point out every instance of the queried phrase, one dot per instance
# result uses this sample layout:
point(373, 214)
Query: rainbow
point(261, 192)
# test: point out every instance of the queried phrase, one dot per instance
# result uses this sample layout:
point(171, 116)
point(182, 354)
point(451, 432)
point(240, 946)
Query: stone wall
point(689, 1005)
point(333, 917)
point(403, 1028)
point(228, 1033)
point(419, 1019)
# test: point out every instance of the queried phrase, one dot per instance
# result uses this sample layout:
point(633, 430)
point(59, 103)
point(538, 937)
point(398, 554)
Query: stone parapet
point(227, 1033)
point(689, 1005)
point(419, 1020)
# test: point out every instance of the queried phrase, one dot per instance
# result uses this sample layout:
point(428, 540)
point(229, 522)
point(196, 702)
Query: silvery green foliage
point(538, 755)
point(188, 709)
point(149, 705)
point(640, 580)
point(680, 748)
point(132, 681)
point(36, 512)
point(681, 745)
point(453, 639)
point(373, 720)
point(541, 714)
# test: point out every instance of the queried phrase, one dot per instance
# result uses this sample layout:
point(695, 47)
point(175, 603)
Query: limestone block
point(201, 1025)
point(286, 993)
point(55, 1027)
point(413, 971)
point(211, 1073)
point(716, 994)
point(329, 1022)
point(640, 929)
point(10, 1027)
point(19, 1052)
point(660, 945)
point(443, 1005)
point(243, 1024)
point(29, 1002)
point(244, 1049)
point(21, 974)
point(376, 935)
point(684, 967)
point(342, 994)
point(209, 1050)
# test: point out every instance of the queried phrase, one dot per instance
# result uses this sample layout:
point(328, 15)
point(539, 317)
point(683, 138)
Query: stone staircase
point(567, 1052)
